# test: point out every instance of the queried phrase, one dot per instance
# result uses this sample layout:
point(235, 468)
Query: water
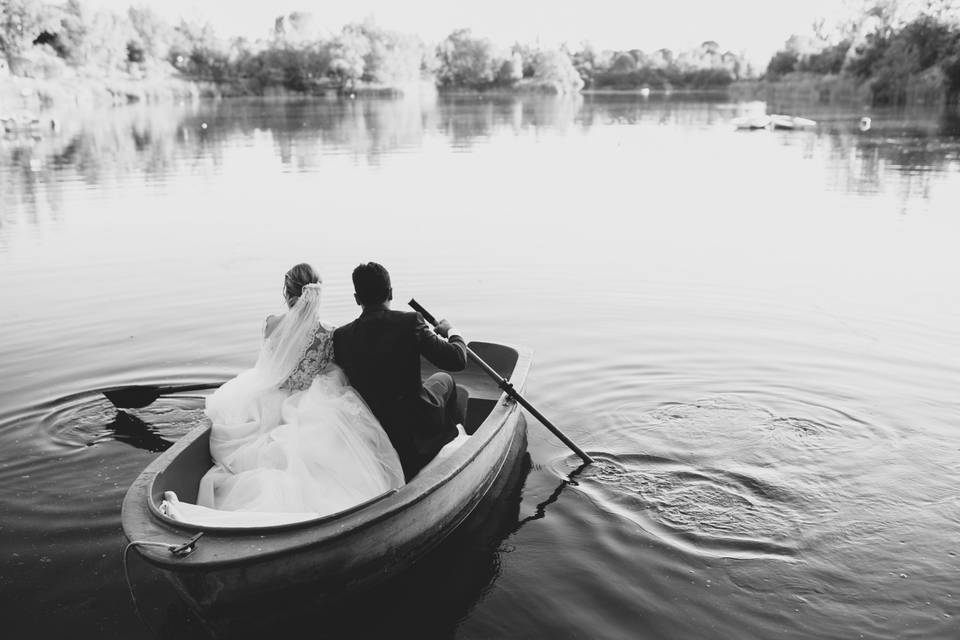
point(756, 334)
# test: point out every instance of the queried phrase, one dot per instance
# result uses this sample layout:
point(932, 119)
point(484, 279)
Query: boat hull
point(363, 558)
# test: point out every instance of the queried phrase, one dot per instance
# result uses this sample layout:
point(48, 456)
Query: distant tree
point(827, 61)
point(782, 63)
point(868, 55)
point(152, 33)
point(707, 78)
point(527, 55)
point(623, 63)
point(553, 68)
point(662, 58)
point(733, 63)
point(392, 58)
point(22, 22)
point(640, 57)
point(466, 61)
point(196, 51)
point(584, 62)
point(891, 59)
point(105, 45)
point(511, 70)
point(347, 53)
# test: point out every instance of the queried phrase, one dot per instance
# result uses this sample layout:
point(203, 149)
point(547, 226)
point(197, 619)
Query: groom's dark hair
point(371, 284)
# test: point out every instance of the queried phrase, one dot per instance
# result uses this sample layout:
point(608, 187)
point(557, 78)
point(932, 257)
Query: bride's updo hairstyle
point(296, 279)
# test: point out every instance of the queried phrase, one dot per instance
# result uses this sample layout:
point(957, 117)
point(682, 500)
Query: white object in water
point(760, 121)
point(778, 121)
point(865, 123)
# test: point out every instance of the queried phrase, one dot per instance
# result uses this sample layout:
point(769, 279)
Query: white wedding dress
point(291, 439)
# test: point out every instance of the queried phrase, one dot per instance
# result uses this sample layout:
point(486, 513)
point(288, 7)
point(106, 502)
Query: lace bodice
point(317, 356)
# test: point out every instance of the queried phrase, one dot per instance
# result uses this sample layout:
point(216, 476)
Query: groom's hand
point(445, 329)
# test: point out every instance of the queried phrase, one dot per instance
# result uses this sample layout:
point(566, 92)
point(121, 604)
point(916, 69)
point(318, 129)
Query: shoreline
point(20, 94)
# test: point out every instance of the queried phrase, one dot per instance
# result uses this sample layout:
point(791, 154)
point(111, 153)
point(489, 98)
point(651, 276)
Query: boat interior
point(475, 388)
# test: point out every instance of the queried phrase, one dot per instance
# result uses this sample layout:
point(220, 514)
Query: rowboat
point(344, 552)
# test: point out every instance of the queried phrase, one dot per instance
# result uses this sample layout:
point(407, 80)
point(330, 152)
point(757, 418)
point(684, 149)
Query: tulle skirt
point(316, 451)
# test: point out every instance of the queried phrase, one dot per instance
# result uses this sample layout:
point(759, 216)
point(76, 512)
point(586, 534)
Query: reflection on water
point(153, 142)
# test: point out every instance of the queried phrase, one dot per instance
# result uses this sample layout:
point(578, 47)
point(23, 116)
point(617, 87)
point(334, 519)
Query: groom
point(380, 353)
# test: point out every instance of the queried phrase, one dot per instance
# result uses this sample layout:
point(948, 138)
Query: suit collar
point(374, 310)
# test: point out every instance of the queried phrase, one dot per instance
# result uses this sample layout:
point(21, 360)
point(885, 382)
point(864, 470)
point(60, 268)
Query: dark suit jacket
point(380, 353)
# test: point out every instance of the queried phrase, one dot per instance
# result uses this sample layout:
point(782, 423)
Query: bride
point(290, 436)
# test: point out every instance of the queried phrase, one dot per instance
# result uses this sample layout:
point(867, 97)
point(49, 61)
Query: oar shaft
point(509, 389)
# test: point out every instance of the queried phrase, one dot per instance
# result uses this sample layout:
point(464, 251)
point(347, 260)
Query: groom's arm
point(449, 354)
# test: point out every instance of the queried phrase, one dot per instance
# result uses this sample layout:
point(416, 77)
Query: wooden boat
point(339, 553)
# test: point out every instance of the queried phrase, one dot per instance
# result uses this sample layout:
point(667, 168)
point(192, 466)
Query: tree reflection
point(29, 195)
point(100, 148)
point(908, 152)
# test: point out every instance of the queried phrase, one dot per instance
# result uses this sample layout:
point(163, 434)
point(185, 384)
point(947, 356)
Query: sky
point(757, 27)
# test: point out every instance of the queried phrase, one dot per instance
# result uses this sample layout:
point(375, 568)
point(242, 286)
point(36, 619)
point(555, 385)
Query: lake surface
point(757, 335)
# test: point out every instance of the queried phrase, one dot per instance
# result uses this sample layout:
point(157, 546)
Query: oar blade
point(135, 397)
point(139, 396)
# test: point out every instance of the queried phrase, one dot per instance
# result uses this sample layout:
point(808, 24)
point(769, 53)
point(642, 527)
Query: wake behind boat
point(343, 552)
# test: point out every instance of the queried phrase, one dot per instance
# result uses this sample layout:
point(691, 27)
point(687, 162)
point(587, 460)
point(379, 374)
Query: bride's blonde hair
point(296, 279)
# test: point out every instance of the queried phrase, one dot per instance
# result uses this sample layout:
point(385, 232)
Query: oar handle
point(426, 314)
point(508, 388)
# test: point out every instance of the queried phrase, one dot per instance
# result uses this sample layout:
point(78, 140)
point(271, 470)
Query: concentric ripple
point(733, 427)
point(726, 475)
point(82, 421)
point(705, 511)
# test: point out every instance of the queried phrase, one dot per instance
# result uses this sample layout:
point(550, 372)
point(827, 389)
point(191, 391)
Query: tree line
point(45, 40)
point(884, 45)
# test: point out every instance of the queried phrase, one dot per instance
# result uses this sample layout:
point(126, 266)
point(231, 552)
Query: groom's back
point(380, 355)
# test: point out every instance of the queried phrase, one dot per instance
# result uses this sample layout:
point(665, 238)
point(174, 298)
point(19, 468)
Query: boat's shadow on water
point(427, 601)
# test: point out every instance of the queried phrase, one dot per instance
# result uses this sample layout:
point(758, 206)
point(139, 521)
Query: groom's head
point(371, 285)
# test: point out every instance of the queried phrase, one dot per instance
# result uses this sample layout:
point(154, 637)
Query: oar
point(137, 396)
point(507, 387)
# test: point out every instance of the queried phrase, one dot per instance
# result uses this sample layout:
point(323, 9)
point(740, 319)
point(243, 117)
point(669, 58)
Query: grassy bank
point(927, 89)
point(808, 88)
point(30, 94)
point(802, 88)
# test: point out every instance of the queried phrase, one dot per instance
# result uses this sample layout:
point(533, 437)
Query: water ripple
point(89, 423)
point(705, 511)
point(734, 426)
point(73, 423)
